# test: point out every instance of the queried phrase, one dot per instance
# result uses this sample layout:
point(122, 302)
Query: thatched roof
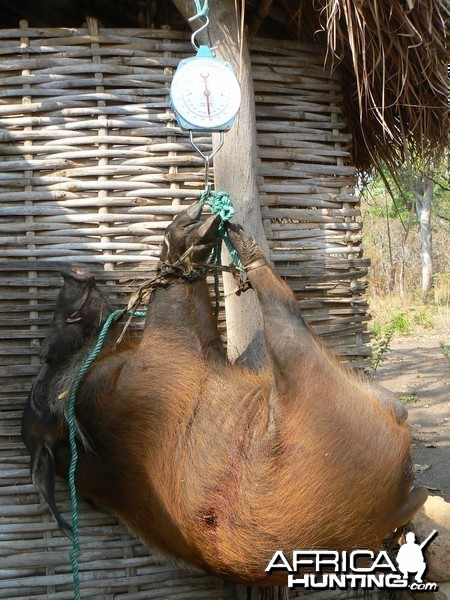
point(393, 54)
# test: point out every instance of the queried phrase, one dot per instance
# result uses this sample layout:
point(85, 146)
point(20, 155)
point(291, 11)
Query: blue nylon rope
point(220, 204)
point(73, 446)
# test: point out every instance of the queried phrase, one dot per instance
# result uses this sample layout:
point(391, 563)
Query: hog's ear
point(38, 397)
point(43, 476)
point(175, 237)
point(387, 399)
point(77, 315)
point(78, 285)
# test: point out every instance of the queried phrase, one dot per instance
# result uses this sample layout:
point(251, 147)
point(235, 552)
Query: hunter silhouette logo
point(410, 557)
point(363, 569)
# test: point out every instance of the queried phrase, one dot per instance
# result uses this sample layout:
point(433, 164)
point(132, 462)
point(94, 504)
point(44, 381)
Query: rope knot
point(220, 204)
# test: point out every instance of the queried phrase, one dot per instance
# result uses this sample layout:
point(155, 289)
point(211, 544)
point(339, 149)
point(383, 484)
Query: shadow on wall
point(72, 13)
point(92, 172)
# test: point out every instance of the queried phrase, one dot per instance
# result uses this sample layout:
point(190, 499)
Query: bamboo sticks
point(92, 170)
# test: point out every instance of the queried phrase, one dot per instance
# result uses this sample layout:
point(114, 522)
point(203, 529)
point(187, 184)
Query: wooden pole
point(235, 171)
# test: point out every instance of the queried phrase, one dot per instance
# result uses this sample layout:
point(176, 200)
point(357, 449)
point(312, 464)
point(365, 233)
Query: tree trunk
point(235, 171)
point(401, 276)
point(391, 277)
point(424, 196)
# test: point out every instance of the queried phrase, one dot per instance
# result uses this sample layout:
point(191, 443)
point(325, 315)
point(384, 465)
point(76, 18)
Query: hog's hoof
point(188, 239)
point(248, 250)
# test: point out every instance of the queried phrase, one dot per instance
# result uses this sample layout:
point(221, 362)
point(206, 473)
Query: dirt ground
point(417, 371)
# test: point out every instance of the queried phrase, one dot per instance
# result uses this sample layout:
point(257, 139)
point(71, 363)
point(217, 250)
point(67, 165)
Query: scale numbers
point(205, 94)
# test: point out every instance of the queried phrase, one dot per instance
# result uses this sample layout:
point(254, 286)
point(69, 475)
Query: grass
point(424, 316)
point(381, 346)
point(401, 316)
point(389, 318)
point(445, 349)
point(393, 316)
point(412, 398)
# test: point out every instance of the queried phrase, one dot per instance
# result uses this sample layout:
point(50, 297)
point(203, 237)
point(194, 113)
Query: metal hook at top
point(200, 29)
point(207, 157)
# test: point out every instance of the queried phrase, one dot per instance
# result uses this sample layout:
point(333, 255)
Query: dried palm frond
point(394, 57)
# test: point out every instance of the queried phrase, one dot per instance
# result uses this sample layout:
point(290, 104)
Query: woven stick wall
point(93, 168)
point(309, 208)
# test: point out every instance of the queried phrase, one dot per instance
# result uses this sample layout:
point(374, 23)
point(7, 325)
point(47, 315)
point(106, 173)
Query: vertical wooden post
point(235, 171)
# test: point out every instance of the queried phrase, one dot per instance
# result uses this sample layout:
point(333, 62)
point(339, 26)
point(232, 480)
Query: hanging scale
point(205, 94)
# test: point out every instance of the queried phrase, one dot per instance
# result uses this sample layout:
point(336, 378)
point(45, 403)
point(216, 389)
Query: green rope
point(215, 259)
point(220, 204)
point(73, 445)
point(202, 11)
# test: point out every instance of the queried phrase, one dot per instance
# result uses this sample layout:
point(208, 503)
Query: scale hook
point(207, 157)
point(197, 31)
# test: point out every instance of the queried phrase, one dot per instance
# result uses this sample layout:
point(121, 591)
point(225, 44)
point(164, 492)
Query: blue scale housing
point(203, 52)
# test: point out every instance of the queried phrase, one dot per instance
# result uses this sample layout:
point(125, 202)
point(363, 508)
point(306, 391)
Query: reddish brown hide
point(221, 466)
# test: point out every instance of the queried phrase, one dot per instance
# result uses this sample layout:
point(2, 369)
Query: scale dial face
point(205, 93)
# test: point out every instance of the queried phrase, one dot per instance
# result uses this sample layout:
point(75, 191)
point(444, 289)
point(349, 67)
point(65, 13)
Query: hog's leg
point(294, 351)
point(287, 336)
point(206, 323)
point(185, 306)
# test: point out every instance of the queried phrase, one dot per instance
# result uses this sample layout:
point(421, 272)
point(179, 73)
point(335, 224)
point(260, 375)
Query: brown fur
point(210, 462)
point(220, 466)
